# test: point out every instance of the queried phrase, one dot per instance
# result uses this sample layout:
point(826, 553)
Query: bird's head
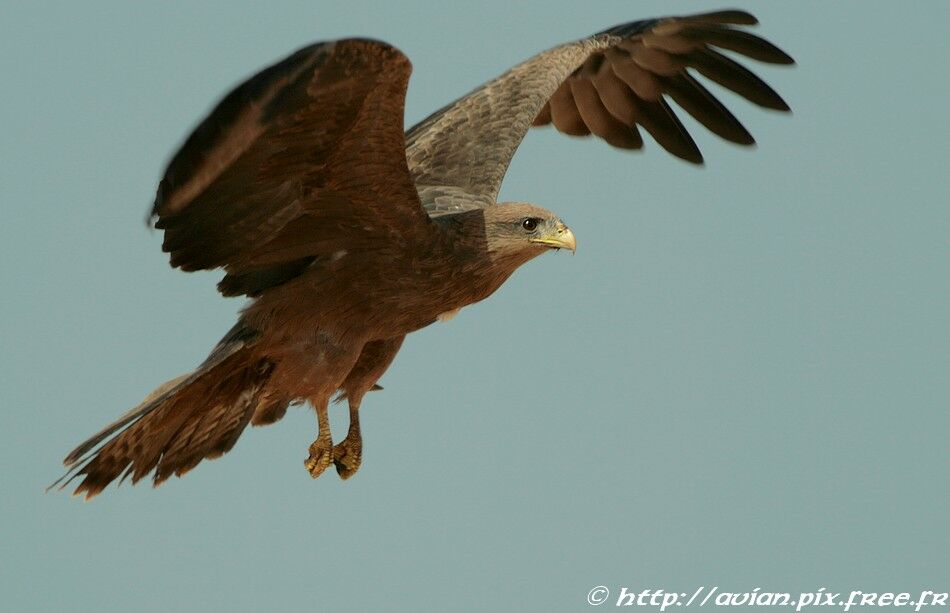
point(519, 231)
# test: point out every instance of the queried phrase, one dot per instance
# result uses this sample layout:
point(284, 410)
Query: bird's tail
point(198, 415)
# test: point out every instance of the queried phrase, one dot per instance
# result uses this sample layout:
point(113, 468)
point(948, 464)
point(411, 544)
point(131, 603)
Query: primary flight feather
point(348, 233)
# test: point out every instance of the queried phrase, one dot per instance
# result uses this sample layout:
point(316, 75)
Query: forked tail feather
point(195, 416)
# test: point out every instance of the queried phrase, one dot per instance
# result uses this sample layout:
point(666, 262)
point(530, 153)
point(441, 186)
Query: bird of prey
point(347, 233)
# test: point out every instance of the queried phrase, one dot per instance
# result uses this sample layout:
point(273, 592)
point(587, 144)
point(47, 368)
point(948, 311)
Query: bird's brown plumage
point(348, 234)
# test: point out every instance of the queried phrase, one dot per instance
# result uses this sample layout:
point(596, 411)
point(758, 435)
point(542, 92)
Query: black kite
point(347, 234)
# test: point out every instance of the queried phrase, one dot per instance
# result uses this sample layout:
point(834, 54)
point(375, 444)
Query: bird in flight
point(347, 233)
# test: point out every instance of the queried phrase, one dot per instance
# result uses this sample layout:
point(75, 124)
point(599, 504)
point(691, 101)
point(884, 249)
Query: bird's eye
point(530, 224)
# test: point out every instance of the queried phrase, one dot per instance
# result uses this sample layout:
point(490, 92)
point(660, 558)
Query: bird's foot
point(321, 454)
point(348, 455)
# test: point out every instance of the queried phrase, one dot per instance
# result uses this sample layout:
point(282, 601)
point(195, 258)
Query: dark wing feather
point(606, 85)
point(594, 113)
point(303, 159)
point(653, 59)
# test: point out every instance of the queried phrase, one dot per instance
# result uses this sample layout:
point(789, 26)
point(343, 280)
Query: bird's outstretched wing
point(305, 158)
point(607, 85)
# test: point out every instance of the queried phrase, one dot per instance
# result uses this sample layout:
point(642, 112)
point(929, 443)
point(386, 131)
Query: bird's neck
point(477, 270)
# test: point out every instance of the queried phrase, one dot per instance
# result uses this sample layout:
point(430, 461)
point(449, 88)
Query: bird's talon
point(321, 454)
point(347, 456)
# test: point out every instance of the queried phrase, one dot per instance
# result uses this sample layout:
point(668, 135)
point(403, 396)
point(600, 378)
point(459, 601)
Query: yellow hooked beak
point(560, 238)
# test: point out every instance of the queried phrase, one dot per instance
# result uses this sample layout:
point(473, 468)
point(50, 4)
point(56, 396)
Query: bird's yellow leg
point(321, 450)
point(348, 454)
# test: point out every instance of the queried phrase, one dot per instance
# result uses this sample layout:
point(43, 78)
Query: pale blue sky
point(741, 378)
